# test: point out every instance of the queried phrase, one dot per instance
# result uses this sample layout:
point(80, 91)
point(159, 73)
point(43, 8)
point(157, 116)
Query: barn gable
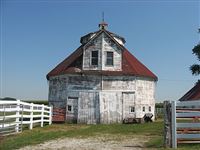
point(102, 46)
point(192, 94)
point(124, 63)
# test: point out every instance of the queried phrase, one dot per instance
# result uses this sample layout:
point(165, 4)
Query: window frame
point(109, 58)
point(143, 109)
point(94, 58)
point(68, 108)
point(149, 108)
point(130, 109)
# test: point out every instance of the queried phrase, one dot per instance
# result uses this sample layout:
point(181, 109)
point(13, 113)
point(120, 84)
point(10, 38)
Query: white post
point(42, 116)
point(31, 117)
point(174, 136)
point(17, 116)
point(50, 114)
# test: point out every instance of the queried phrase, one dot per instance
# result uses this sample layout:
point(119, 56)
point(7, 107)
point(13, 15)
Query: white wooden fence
point(185, 122)
point(15, 114)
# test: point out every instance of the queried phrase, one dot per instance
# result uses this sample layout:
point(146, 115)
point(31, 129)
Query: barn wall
point(88, 110)
point(61, 87)
point(145, 95)
point(121, 83)
point(110, 107)
point(57, 91)
point(103, 99)
point(128, 101)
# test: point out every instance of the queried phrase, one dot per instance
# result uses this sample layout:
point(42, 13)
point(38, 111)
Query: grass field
point(154, 131)
point(45, 102)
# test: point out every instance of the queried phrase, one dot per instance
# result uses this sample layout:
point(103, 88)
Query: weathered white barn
point(102, 82)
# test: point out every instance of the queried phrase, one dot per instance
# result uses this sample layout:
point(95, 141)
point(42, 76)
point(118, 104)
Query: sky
point(36, 35)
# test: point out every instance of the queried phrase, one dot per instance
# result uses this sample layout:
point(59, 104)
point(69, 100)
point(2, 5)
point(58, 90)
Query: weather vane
point(102, 16)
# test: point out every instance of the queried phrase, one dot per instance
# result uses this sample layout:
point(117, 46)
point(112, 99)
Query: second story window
point(94, 60)
point(109, 59)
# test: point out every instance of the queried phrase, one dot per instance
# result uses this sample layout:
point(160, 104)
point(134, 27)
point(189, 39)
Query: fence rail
point(182, 124)
point(14, 114)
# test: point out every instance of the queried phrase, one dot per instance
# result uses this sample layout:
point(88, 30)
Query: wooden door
point(72, 109)
point(128, 102)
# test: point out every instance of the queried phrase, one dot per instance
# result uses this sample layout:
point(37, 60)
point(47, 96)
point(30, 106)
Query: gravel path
point(92, 143)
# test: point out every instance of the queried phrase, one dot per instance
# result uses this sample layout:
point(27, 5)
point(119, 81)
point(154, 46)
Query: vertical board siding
point(100, 97)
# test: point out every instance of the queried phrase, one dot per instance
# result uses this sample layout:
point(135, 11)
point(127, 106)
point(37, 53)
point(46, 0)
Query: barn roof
point(192, 94)
point(130, 64)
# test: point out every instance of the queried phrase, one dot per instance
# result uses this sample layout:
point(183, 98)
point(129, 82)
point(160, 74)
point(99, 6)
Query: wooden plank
point(9, 110)
point(167, 124)
point(187, 109)
point(188, 125)
point(26, 122)
point(189, 103)
point(37, 116)
point(188, 136)
point(188, 115)
point(36, 121)
point(7, 102)
point(46, 120)
point(174, 135)
point(46, 116)
point(188, 142)
point(45, 111)
point(188, 131)
point(10, 116)
point(26, 116)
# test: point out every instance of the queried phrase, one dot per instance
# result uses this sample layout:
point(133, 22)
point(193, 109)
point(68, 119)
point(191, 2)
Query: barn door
point(128, 105)
point(72, 109)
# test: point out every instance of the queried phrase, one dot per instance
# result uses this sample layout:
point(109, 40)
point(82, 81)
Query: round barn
point(101, 82)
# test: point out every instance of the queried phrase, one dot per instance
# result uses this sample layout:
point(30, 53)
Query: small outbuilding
point(193, 94)
point(102, 82)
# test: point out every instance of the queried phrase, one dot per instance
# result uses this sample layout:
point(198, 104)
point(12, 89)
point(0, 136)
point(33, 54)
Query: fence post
point(31, 117)
point(42, 116)
point(17, 116)
point(167, 124)
point(174, 137)
point(50, 114)
point(22, 114)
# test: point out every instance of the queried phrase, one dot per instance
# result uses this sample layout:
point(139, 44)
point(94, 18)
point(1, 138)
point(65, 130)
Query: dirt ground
point(106, 142)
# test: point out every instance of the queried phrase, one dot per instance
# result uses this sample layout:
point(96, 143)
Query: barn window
point(149, 108)
point(109, 59)
point(69, 108)
point(143, 109)
point(94, 60)
point(132, 109)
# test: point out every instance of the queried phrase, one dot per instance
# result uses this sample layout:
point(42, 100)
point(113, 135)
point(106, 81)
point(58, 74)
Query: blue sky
point(37, 35)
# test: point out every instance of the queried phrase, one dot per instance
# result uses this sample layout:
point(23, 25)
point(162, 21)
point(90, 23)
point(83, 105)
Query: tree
point(195, 68)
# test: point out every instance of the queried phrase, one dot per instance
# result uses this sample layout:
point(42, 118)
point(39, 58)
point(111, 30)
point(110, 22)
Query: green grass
point(153, 131)
point(45, 102)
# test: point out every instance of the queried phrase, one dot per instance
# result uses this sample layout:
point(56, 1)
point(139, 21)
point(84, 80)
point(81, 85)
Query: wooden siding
point(101, 99)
